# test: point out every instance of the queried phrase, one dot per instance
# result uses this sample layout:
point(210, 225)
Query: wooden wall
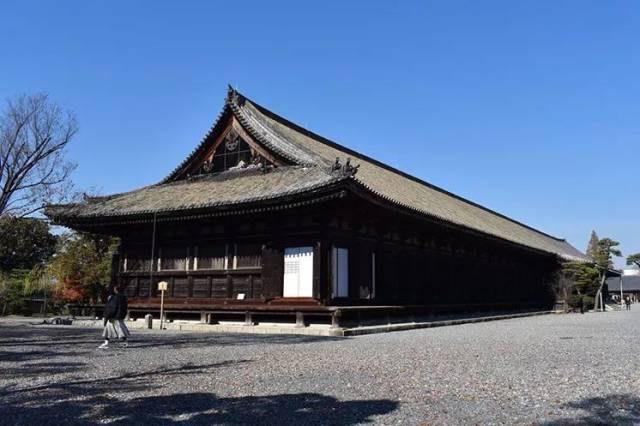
point(417, 262)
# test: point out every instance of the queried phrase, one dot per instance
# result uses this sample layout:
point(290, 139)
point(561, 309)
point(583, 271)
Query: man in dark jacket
point(115, 311)
point(116, 306)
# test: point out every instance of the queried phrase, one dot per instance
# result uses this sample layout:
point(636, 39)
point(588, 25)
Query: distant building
point(628, 282)
point(268, 218)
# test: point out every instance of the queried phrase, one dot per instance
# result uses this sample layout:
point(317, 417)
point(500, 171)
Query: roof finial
point(337, 165)
point(345, 168)
point(232, 94)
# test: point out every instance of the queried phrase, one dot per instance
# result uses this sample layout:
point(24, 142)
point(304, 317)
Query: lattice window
point(137, 259)
point(232, 152)
point(212, 257)
point(248, 256)
point(174, 258)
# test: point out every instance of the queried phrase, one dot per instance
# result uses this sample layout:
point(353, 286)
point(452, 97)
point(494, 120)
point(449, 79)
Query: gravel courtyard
point(546, 370)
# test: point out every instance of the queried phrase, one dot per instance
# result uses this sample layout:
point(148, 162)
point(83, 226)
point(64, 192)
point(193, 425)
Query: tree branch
point(33, 135)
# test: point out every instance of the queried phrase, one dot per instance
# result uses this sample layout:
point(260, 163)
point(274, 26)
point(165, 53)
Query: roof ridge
point(199, 146)
point(348, 150)
point(232, 104)
point(261, 137)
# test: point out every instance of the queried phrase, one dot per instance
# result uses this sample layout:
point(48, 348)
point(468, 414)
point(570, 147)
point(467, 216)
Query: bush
point(574, 301)
point(11, 298)
point(589, 302)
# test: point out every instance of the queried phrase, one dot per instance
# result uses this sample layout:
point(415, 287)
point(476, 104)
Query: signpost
point(162, 286)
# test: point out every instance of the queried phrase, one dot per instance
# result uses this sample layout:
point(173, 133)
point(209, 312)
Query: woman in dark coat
point(115, 311)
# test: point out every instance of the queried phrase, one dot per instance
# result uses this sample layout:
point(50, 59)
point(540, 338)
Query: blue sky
point(531, 108)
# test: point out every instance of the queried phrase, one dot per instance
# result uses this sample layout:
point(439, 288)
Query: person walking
point(115, 311)
point(627, 301)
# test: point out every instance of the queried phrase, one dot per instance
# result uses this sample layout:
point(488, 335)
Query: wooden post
point(335, 319)
point(248, 318)
point(161, 309)
point(162, 286)
point(229, 283)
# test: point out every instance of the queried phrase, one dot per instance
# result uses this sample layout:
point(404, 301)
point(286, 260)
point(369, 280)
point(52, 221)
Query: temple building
point(625, 285)
point(265, 218)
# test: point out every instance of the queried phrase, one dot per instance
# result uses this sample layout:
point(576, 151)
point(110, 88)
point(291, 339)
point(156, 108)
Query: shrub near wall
point(574, 302)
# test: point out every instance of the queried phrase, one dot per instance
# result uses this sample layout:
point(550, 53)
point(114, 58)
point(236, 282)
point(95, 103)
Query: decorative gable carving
point(234, 148)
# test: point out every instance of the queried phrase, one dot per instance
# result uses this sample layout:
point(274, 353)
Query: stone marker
point(148, 321)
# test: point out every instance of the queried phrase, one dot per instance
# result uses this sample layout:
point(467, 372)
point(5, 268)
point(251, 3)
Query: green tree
point(24, 242)
point(634, 259)
point(11, 291)
point(39, 281)
point(606, 250)
point(82, 266)
point(604, 261)
point(592, 247)
point(580, 281)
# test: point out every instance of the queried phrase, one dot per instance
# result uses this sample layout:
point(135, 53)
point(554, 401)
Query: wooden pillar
point(229, 286)
point(335, 319)
point(248, 318)
point(116, 267)
point(272, 272)
point(190, 286)
point(317, 269)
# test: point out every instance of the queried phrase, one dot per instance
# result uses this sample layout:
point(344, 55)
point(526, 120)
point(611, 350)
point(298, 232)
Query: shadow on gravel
point(128, 382)
point(194, 340)
point(116, 401)
point(43, 368)
point(60, 336)
point(25, 332)
point(7, 356)
point(201, 409)
point(615, 409)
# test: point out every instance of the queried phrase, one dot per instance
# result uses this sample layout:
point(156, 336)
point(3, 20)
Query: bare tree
point(34, 133)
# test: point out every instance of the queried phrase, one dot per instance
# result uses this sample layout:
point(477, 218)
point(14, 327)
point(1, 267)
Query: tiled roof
point(313, 156)
point(629, 283)
point(232, 187)
point(408, 191)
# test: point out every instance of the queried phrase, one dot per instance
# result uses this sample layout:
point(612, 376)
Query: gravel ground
point(546, 370)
